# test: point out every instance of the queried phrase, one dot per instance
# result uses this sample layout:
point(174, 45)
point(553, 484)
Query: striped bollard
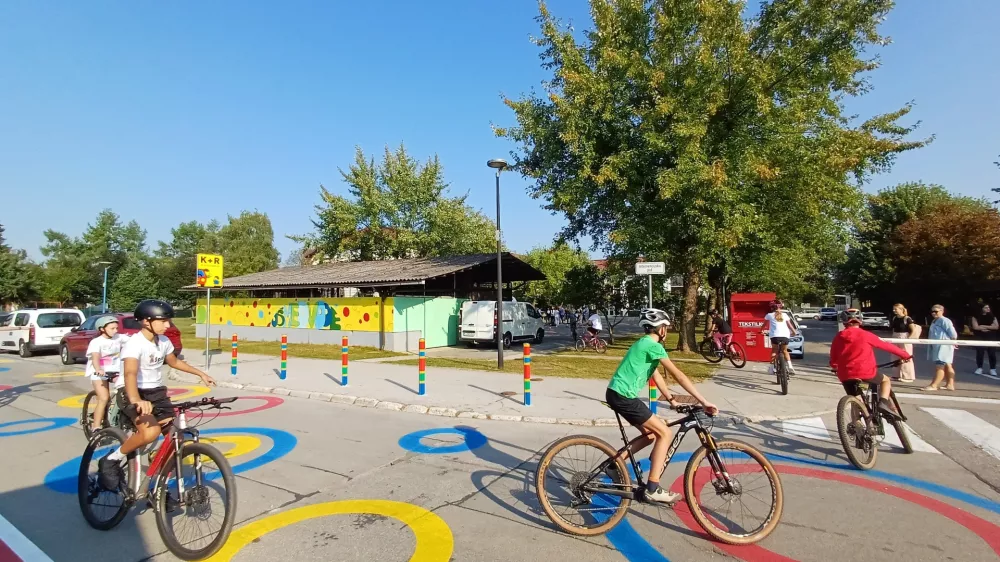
point(343, 361)
point(234, 356)
point(527, 374)
point(284, 357)
point(422, 366)
point(652, 396)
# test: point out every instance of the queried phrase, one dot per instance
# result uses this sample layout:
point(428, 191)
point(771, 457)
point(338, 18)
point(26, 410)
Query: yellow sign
point(209, 271)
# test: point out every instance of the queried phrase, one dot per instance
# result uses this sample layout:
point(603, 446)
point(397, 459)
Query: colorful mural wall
point(350, 314)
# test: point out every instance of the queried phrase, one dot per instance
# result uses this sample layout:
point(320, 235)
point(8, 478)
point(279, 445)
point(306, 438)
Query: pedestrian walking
point(904, 327)
point(572, 324)
point(943, 355)
point(984, 328)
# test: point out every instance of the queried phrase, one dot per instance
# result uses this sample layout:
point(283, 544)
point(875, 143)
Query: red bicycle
point(714, 354)
point(593, 342)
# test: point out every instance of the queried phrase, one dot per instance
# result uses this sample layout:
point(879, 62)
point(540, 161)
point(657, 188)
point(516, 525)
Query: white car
point(874, 321)
point(828, 314)
point(37, 329)
point(797, 346)
point(807, 314)
point(477, 323)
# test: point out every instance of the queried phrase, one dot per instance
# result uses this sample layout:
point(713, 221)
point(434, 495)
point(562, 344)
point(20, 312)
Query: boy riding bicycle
point(722, 332)
point(632, 378)
point(852, 357)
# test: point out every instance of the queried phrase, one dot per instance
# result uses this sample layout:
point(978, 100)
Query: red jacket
point(853, 356)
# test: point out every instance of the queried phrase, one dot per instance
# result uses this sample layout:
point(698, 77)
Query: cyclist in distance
point(722, 332)
point(780, 330)
point(852, 356)
point(144, 399)
point(104, 362)
point(594, 325)
point(632, 378)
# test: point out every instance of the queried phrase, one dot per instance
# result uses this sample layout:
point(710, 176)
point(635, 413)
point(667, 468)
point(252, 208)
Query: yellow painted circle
point(190, 392)
point(433, 536)
point(60, 375)
point(241, 445)
point(6, 360)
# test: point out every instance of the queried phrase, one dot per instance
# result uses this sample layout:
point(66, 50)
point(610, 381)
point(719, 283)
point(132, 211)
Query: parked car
point(30, 330)
point(807, 314)
point(5, 317)
point(477, 321)
point(874, 321)
point(828, 314)
point(73, 346)
point(797, 346)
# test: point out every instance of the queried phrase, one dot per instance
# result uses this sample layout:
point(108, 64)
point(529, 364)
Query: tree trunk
point(692, 280)
point(712, 303)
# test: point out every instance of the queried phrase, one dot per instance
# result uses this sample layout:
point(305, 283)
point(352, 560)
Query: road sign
point(650, 268)
point(209, 271)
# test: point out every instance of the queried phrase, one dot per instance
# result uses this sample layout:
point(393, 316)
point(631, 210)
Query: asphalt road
point(336, 482)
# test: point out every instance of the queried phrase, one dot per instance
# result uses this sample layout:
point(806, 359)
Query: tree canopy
point(555, 262)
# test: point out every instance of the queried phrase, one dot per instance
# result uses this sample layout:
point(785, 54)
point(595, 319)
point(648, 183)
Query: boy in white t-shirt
point(595, 325)
point(104, 362)
point(144, 398)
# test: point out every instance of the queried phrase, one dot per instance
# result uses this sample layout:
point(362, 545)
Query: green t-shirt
point(632, 376)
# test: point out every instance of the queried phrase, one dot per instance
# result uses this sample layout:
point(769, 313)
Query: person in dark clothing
point(722, 332)
point(984, 328)
point(572, 324)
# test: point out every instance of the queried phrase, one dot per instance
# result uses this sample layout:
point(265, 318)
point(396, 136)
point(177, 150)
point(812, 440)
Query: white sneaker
point(993, 372)
point(662, 496)
point(770, 370)
point(979, 371)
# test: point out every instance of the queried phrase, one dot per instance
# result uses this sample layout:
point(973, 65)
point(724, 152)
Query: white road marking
point(918, 444)
point(948, 398)
point(811, 428)
point(982, 434)
point(19, 544)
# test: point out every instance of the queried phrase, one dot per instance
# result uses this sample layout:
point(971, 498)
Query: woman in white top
point(780, 329)
point(104, 362)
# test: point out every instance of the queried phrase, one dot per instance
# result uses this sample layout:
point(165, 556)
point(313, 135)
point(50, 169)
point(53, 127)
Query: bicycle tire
point(87, 418)
point(581, 345)
point(163, 525)
point(541, 476)
point(904, 436)
point(782, 373)
point(737, 355)
point(83, 483)
point(706, 522)
point(707, 349)
point(601, 346)
point(848, 437)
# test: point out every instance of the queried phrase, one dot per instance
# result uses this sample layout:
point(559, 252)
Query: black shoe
point(887, 408)
point(110, 473)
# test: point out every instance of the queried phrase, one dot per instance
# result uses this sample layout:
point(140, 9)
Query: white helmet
point(653, 317)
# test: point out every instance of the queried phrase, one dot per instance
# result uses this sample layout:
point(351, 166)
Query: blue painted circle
point(473, 440)
point(63, 477)
point(4, 369)
point(53, 423)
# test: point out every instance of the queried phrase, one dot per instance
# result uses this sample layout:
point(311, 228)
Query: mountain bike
point(601, 501)
point(860, 421)
point(779, 366)
point(112, 416)
point(714, 354)
point(593, 342)
point(203, 469)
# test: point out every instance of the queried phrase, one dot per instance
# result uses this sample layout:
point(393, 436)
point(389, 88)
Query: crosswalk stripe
point(982, 434)
point(815, 428)
point(947, 398)
point(918, 444)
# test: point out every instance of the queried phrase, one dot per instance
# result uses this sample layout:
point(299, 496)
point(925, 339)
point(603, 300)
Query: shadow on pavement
point(9, 395)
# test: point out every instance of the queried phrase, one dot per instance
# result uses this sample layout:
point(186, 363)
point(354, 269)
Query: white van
point(36, 329)
point(478, 320)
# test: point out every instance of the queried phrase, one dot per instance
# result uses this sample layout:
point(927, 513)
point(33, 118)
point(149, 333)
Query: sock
point(117, 455)
point(652, 486)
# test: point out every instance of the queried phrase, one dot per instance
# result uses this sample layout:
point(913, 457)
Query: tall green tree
point(686, 131)
point(398, 208)
point(18, 282)
point(247, 244)
point(610, 291)
point(554, 261)
point(175, 259)
point(135, 282)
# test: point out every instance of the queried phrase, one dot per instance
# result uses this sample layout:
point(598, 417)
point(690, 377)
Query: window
point(58, 320)
point(130, 323)
point(89, 324)
point(6, 319)
point(21, 319)
point(532, 312)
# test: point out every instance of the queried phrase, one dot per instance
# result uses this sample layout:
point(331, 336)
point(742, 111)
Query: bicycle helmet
point(653, 318)
point(851, 315)
point(103, 321)
point(154, 310)
point(776, 304)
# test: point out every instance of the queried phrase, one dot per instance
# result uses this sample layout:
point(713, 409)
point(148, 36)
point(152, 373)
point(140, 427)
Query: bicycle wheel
point(601, 346)
point(707, 349)
point(102, 508)
point(757, 488)
point(87, 415)
point(904, 436)
point(196, 508)
point(855, 435)
point(782, 372)
point(580, 345)
point(566, 465)
point(737, 355)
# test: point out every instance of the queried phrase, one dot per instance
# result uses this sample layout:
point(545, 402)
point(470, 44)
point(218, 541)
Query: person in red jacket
point(852, 356)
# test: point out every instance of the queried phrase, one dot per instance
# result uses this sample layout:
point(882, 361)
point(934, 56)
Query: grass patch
point(555, 366)
point(622, 343)
point(273, 349)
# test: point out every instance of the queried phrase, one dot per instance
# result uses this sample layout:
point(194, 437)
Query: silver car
point(874, 321)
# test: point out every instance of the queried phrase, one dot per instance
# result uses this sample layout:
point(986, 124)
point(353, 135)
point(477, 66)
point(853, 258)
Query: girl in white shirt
point(780, 330)
point(104, 362)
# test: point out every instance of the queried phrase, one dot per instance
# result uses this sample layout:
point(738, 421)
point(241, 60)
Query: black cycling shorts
point(635, 411)
point(163, 409)
point(853, 386)
point(775, 342)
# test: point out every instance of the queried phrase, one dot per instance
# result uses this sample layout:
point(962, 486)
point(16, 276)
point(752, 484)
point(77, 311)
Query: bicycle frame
point(173, 443)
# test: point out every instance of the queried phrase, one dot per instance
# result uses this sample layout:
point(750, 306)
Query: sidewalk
point(744, 395)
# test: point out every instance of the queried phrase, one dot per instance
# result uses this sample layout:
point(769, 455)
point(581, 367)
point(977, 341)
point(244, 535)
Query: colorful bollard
point(284, 357)
point(234, 356)
point(422, 366)
point(527, 374)
point(344, 349)
point(652, 396)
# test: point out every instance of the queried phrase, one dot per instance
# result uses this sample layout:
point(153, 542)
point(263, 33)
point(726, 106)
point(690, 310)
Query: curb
point(441, 411)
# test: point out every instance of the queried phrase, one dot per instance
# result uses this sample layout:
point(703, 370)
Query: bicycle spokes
point(734, 491)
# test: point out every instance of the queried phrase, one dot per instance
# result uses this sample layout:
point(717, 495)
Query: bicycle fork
point(721, 480)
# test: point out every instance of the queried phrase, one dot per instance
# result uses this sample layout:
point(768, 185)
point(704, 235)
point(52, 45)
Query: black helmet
point(153, 310)
point(850, 315)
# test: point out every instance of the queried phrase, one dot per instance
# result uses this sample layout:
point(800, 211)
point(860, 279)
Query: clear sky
point(173, 111)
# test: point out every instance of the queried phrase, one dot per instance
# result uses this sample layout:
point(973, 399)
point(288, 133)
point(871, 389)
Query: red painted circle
point(268, 305)
point(987, 531)
point(248, 315)
point(220, 319)
point(347, 312)
point(255, 304)
point(232, 304)
point(251, 323)
point(366, 317)
point(269, 402)
point(176, 391)
point(4, 387)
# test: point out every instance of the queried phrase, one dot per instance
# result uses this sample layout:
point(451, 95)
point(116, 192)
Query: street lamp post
point(499, 165)
point(104, 296)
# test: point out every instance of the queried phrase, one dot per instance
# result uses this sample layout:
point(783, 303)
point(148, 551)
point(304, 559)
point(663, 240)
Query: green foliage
point(134, 282)
point(397, 209)
point(609, 291)
point(175, 260)
point(18, 281)
point(247, 244)
point(679, 129)
point(555, 262)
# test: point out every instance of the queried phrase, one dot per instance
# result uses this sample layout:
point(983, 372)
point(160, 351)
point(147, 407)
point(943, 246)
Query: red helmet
point(776, 304)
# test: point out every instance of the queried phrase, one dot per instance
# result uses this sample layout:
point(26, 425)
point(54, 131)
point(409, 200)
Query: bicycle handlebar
point(895, 363)
point(690, 409)
point(205, 402)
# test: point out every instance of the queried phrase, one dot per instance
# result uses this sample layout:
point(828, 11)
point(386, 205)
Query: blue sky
point(173, 111)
